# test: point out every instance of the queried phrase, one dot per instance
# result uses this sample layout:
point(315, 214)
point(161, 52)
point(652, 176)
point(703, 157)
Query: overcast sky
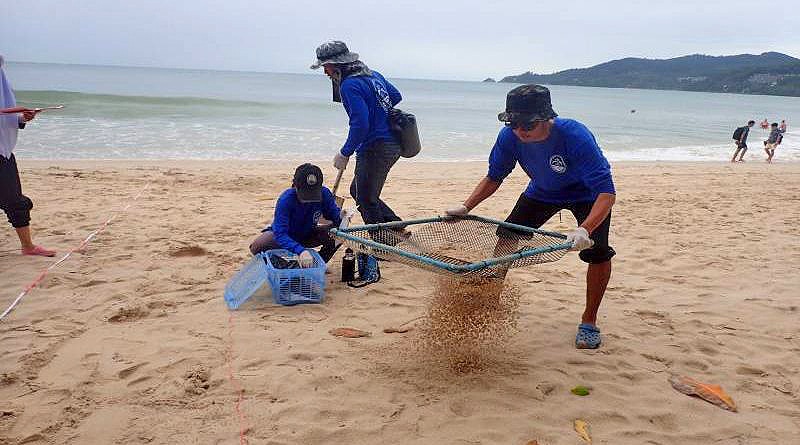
point(436, 39)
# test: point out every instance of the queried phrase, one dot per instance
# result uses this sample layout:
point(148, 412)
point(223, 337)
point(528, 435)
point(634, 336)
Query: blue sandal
point(588, 337)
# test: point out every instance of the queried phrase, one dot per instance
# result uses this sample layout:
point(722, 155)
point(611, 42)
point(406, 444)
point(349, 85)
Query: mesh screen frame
point(466, 246)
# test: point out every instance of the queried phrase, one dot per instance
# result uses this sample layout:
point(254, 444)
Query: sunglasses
point(524, 126)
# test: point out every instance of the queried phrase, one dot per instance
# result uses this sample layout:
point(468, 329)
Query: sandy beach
point(129, 341)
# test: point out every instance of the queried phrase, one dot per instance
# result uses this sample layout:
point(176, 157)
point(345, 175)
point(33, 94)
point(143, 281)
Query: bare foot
point(38, 251)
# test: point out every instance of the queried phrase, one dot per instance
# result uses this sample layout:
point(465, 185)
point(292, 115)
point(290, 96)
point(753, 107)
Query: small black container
point(348, 266)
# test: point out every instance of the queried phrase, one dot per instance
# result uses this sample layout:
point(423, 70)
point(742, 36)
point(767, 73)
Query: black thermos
point(348, 266)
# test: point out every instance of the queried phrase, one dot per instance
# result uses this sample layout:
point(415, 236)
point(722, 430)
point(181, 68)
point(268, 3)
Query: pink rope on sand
point(228, 353)
point(236, 387)
point(83, 244)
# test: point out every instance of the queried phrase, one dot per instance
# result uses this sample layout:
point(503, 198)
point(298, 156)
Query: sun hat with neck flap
point(333, 51)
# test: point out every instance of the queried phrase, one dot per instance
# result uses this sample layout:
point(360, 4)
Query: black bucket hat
point(527, 103)
point(333, 51)
point(308, 183)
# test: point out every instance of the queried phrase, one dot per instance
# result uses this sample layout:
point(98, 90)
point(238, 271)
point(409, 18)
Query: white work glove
point(346, 215)
point(580, 239)
point(459, 210)
point(340, 161)
point(305, 259)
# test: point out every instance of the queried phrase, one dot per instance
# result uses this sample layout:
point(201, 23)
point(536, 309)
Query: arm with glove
point(580, 236)
point(596, 176)
point(483, 190)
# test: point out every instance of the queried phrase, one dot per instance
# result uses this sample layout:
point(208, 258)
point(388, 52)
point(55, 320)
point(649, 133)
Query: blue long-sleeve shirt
point(296, 221)
point(568, 166)
point(368, 111)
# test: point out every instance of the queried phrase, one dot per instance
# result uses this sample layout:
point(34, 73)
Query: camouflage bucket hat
point(334, 51)
point(527, 103)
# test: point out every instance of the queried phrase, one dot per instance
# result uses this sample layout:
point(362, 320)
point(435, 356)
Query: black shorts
point(532, 213)
point(16, 205)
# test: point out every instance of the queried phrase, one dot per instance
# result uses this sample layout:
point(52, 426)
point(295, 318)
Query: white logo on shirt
point(382, 95)
point(317, 216)
point(557, 164)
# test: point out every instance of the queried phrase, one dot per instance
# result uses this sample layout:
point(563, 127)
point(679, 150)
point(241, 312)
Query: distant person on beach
point(367, 98)
point(16, 206)
point(782, 127)
point(764, 124)
point(775, 138)
point(567, 171)
point(297, 214)
point(740, 138)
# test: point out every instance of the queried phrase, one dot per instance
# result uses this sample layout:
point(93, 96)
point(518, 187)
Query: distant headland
point(769, 73)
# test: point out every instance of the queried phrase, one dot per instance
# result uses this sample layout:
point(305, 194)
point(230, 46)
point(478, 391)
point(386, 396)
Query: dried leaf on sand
point(399, 330)
point(349, 332)
point(711, 393)
point(582, 428)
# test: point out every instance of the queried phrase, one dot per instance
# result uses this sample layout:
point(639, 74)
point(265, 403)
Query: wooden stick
point(338, 180)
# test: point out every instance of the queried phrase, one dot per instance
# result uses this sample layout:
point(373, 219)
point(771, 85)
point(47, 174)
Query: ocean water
point(152, 113)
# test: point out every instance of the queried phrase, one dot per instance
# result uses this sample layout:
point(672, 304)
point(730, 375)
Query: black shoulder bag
point(404, 127)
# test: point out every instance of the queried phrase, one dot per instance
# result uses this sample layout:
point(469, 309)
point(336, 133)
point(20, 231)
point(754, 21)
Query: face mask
point(336, 85)
point(337, 92)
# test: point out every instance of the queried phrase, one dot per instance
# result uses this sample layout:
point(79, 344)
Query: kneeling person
point(297, 213)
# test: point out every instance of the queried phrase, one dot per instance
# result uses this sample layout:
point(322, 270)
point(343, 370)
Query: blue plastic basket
point(296, 286)
point(288, 286)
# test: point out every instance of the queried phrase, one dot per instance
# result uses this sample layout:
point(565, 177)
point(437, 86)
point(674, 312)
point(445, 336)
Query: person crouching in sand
point(297, 214)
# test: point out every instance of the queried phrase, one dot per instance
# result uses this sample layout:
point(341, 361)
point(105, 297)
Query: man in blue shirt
point(297, 213)
point(367, 98)
point(567, 171)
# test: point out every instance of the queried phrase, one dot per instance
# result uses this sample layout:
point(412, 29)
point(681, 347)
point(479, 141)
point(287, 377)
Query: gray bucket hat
point(527, 103)
point(333, 51)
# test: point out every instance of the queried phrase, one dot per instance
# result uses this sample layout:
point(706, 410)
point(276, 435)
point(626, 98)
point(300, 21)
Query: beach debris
point(532, 442)
point(402, 328)
point(124, 314)
point(188, 251)
point(349, 332)
point(397, 330)
point(580, 390)
point(710, 393)
point(582, 428)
